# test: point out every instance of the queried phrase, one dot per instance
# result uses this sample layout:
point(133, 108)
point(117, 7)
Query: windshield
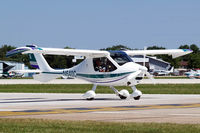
point(120, 57)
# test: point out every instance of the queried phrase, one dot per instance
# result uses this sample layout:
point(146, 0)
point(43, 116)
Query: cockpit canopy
point(120, 57)
point(103, 64)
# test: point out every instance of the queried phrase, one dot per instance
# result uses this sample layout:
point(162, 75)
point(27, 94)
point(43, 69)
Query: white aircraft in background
point(193, 74)
point(105, 68)
point(163, 72)
point(197, 75)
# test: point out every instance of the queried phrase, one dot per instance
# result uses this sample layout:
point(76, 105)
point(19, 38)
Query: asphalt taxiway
point(106, 107)
point(79, 81)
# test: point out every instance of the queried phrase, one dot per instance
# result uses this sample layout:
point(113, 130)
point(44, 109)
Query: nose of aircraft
point(144, 70)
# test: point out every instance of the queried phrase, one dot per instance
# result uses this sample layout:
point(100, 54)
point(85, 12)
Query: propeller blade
point(150, 77)
point(144, 56)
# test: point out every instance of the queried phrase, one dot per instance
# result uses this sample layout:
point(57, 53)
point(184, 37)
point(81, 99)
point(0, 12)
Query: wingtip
point(16, 51)
point(187, 50)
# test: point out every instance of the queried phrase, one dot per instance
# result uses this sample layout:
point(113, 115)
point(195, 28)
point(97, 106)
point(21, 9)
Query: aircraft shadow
point(31, 100)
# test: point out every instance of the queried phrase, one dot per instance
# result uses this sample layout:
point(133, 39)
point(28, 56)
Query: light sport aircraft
point(105, 68)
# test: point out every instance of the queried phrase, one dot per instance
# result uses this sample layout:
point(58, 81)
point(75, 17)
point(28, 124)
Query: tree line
point(58, 61)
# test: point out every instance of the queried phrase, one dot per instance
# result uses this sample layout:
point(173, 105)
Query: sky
point(95, 24)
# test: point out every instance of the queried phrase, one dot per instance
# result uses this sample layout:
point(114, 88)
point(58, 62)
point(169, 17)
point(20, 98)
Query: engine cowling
point(131, 78)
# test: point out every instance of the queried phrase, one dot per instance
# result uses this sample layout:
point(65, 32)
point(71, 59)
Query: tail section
point(45, 77)
point(172, 70)
point(33, 61)
point(37, 60)
point(47, 73)
point(42, 63)
point(6, 67)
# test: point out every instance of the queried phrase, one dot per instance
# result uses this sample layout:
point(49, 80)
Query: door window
point(103, 64)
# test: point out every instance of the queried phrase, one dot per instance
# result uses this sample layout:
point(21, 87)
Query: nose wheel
point(137, 98)
point(124, 94)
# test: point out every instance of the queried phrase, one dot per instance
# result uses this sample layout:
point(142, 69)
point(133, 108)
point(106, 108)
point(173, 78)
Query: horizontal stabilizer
point(44, 77)
point(27, 71)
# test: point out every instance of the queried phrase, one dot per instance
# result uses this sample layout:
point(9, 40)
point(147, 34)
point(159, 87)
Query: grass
point(58, 126)
point(168, 77)
point(82, 88)
point(171, 77)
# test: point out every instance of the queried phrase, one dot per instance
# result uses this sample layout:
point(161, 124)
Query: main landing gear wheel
point(123, 94)
point(90, 95)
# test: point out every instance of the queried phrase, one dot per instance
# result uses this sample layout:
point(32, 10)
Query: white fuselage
point(85, 70)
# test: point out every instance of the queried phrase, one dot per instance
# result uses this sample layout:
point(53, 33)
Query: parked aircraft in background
point(193, 74)
point(11, 74)
point(163, 72)
point(5, 73)
point(197, 75)
point(105, 68)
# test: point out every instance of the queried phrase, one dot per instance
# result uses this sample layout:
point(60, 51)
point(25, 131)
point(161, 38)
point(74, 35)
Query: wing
point(174, 52)
point(58, 51)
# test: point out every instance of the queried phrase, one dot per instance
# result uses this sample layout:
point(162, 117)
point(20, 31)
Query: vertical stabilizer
point(7, 67)
point(33, 61)
point(42, 63)
point(47, 73)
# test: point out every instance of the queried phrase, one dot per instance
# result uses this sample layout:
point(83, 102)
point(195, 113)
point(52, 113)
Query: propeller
point(144, 70)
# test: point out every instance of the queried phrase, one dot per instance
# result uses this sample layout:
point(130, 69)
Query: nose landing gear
point(124, 94)
point(136, 93)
